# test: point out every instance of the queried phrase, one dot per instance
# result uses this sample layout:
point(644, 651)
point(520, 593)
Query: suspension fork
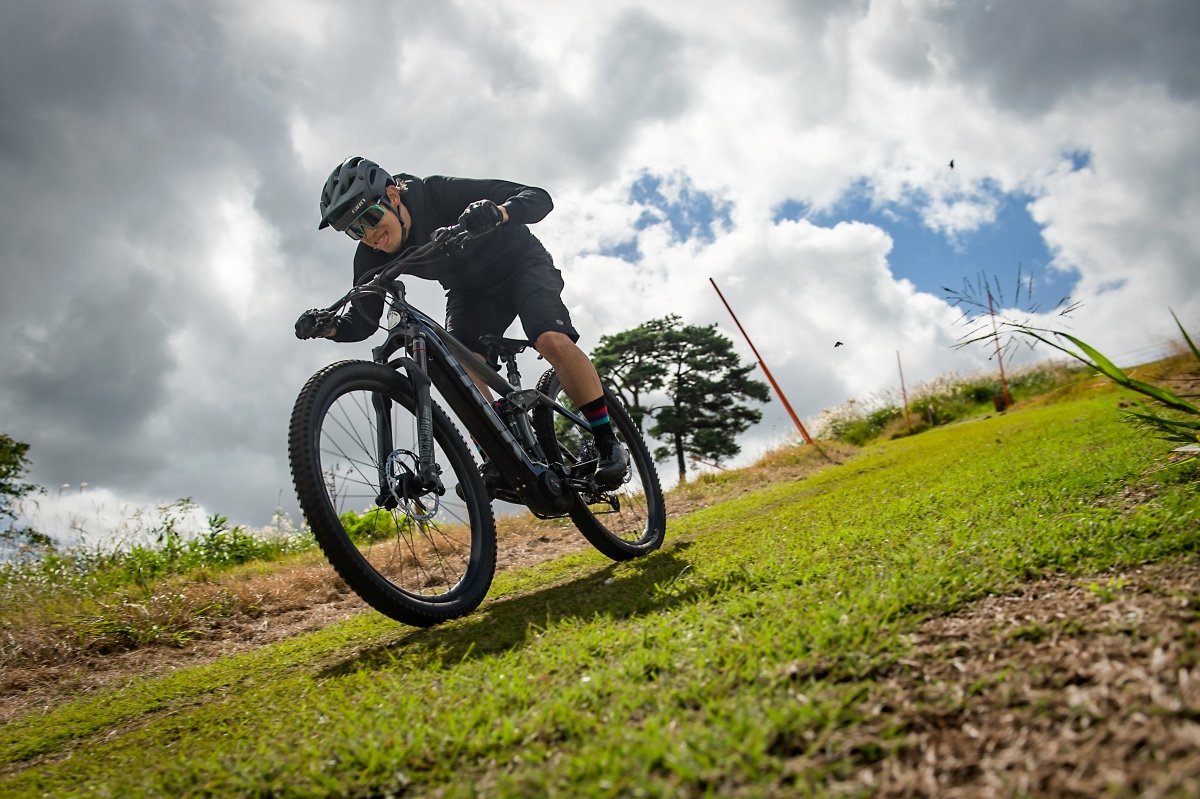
point(383, 445)
point(418, 374)
point(427, 474)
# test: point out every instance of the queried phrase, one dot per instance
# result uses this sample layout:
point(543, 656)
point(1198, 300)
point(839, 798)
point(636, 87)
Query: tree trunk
point(679, 455)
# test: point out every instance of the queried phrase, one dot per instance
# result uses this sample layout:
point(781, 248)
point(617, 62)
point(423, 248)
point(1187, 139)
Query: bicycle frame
point(436, 358)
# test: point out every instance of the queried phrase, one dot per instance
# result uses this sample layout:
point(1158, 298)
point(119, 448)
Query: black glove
point(480, 217)
point(315, 324)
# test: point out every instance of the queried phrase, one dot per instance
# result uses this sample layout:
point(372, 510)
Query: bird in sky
point(952, 163)
point(837, 344)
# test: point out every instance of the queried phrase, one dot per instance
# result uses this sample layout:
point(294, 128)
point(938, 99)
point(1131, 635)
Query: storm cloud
point(161, 164)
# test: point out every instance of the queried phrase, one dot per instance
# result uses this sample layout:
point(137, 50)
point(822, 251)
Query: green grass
point(745, 643)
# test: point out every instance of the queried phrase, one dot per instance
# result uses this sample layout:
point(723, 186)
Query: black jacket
point(437, 201)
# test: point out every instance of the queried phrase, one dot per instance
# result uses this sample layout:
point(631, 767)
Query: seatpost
point(514, 376)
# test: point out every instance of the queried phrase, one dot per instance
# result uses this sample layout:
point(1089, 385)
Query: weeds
point(162, 550)
point(941, 401)
point(1168, 413)
point(1111, 590)
point(57, 605)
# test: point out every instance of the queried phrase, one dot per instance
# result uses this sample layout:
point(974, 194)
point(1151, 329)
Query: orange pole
point(778, 390)
point(706, 463)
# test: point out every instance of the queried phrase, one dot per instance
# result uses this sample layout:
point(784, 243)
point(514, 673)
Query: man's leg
point(578, 377)
point(547, 323)
point(572, 365)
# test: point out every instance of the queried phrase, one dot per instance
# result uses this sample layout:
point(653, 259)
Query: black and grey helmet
point(353, 185)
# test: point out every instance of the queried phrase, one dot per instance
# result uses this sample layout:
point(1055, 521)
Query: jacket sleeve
point(362, 319)
point(525, 204)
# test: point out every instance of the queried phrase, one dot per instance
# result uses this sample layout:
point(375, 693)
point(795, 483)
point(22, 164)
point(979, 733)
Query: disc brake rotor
point(401, 479)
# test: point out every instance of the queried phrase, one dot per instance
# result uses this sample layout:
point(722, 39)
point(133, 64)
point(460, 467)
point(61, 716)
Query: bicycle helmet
point(352, 186)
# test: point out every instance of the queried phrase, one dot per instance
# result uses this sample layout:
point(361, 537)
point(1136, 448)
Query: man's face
point(387, 236)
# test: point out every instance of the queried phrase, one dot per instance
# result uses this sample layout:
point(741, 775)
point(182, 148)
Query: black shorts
point(534, 294)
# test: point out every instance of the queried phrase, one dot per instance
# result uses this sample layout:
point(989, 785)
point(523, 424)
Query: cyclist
point(495, 279)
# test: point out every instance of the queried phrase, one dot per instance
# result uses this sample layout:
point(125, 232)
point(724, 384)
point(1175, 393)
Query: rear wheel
point(622, 522)
point(419, 555)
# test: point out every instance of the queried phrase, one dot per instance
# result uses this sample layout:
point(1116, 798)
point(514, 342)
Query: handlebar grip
point(451, 236)
point(448, 232)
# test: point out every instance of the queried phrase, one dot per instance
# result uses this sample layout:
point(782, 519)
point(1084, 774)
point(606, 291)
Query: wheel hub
point(405, 487)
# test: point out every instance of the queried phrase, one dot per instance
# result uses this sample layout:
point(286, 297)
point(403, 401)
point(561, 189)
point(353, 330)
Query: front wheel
point(420, 554)
point(623, 522)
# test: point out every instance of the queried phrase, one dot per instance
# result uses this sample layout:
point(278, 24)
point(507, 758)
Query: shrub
point(940, 401)
point(372, 525)
point(155, 552)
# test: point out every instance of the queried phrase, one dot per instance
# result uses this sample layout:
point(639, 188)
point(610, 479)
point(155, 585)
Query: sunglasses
point(367, 220)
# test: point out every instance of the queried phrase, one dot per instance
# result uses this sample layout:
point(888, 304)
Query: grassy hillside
point(779, 644)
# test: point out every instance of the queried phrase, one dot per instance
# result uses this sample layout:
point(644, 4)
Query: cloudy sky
point(161, 164)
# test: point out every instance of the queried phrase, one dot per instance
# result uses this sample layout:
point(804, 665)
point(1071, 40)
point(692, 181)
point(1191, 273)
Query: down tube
point(476, 413)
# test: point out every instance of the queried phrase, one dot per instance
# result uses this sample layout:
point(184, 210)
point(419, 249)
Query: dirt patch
point(1069, 687)
point(263, 608)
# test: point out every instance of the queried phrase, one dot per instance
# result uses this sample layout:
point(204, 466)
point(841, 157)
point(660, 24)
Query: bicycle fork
point(398, 483)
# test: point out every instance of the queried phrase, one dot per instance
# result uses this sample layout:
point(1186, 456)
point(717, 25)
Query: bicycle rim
point(415, 555)
point(624, 521)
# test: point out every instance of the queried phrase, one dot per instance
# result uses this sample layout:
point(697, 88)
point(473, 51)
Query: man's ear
point(393, 195)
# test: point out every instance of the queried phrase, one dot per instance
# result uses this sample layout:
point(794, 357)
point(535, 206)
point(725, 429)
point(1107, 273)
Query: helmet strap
point(399, 215)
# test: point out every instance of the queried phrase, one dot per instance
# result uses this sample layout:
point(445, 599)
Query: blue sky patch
point(1080, 159)
point(692, 214)
point(932, 260)
point(672, 200)
point(626, 251)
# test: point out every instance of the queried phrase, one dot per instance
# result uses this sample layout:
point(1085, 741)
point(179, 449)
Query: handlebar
point(443, 241)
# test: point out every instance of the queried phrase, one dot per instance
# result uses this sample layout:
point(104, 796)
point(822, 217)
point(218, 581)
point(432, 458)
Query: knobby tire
point(637, 525)
point(417, 572)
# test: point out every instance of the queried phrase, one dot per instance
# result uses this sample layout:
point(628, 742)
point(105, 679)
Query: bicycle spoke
point(421, 556)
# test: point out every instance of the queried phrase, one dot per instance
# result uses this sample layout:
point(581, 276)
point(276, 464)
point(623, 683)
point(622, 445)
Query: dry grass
point(1067, 687)
point(785, 463)
point(57, 649)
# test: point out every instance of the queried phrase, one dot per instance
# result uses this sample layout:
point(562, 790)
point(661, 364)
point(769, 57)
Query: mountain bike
point(393, 493)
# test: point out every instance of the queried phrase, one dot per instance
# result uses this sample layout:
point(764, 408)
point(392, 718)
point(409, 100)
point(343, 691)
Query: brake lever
point(452, 237)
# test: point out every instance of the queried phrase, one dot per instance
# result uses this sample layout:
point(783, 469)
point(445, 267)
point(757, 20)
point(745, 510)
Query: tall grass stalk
point(1169, 414)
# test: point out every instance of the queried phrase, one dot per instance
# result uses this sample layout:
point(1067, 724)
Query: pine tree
point(702, 377)
point(629, 361)
point(705, 383)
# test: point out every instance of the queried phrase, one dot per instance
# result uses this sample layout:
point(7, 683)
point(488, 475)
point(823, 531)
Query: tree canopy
point(13, 465)
point(630, 360)
point(704, 381)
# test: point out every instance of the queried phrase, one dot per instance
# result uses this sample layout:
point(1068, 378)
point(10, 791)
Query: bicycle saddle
point(503, 347)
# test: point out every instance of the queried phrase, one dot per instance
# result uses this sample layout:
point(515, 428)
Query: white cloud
point(163, 238)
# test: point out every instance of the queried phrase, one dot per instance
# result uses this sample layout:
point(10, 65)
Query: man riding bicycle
point(495, 279)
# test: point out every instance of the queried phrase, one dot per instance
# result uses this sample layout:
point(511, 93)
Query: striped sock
point(596, 412)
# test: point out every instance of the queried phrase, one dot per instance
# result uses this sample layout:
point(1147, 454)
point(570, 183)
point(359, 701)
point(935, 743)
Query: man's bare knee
point(552, 345)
